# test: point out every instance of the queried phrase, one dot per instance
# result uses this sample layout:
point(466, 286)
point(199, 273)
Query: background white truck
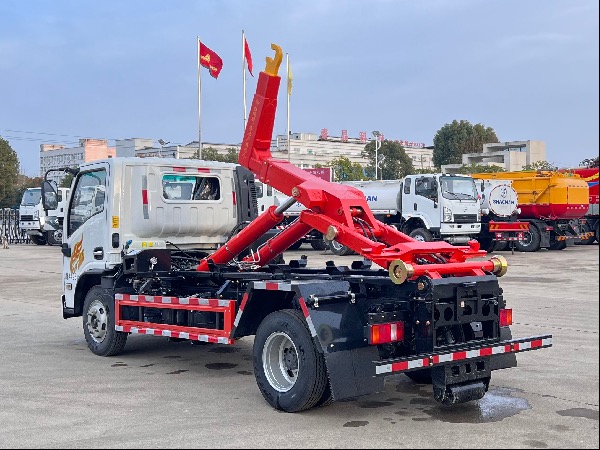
point(426, 207)
point(42, 227)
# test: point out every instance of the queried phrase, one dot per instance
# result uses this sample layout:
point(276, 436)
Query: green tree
point(66, 180)
point(9, 171)
point(346, 170)
point(211, 154)
point(541, 165)
point(478, 168)
point(457, 138)
point(394, 162)
point(590, 163)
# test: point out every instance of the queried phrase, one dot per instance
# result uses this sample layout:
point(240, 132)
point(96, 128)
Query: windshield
point(458, 188)
point(31, 197)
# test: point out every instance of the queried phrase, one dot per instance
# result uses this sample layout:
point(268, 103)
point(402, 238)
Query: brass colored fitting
point(400, 271)
point(500, 265)
point(272, 67)
point(295, 192)
point(332, 233)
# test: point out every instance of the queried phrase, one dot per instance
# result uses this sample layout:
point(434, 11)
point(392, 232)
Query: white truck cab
point(42, 227)
point(120, 206)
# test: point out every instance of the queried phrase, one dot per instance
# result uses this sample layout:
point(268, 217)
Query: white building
point(511, 156)
point(54, 156)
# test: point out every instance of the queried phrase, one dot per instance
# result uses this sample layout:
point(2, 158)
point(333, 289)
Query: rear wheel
point(339, 249)
point(592, 236)
point(295, 246)
point(38, 240)
point(54, 237)
point(558, 245)
point(290, 371)
point(318, 244)
point(99, 323)
point(531, 240)
point(421, 234)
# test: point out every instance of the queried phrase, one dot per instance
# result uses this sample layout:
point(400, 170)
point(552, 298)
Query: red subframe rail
point(443, 358)
point(216, 336)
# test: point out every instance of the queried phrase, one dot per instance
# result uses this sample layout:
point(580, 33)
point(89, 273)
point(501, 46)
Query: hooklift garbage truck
point(167, 266)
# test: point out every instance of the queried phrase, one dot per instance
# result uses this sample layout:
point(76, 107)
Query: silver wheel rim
point(419, 237)
point(97, 321)
point(280, 362)
point(336, 246)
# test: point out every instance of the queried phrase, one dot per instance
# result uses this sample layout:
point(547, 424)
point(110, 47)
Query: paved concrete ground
point(54, 393)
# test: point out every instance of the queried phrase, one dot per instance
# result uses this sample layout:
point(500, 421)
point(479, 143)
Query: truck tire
point(339, 249)
point(54, 237)
point(290, 371)
point(531, 240)
point(295, 246)
point(99, 323)
point(421, 234)
point(558, 245)
point(501, 246)
point(38, 240)
point(590, 240)
point(318, 244)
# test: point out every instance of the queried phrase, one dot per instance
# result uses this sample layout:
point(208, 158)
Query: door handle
point(98, 253)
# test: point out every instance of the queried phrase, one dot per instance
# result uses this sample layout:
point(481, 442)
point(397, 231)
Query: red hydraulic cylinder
point(280, 243)
point(243, 239)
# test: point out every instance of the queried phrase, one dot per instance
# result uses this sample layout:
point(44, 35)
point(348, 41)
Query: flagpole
point(244, 76)
point(287, 58)
point(199, 96)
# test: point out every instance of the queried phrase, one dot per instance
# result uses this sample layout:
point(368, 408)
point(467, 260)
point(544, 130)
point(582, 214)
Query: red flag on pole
point(248, 56)
point(210, 60)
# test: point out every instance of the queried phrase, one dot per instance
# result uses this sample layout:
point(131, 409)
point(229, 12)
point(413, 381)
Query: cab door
point(86, 229)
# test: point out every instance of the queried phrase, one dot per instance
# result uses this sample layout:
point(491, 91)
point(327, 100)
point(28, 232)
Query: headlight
point(447, 214)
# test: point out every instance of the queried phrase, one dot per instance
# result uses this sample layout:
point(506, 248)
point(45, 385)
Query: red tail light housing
point(506, 317)
point(383, 333)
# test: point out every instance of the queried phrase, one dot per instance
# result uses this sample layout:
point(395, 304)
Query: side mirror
point(49, 195)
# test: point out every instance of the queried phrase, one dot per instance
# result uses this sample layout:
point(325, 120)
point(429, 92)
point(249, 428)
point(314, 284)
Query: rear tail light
point(384, 333)
point(505, 317)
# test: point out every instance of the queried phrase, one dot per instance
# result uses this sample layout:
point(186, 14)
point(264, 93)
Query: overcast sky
point(120, 69)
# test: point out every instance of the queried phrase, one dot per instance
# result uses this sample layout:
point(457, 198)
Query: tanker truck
point(500, 227)
point(552, 203)
point(167, 263)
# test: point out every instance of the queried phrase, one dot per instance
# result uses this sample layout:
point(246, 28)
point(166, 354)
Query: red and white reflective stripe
point(241, 310)
point(443, 358)
point(191, 301)
point(178, 169)
point(145, 209)
point(175, 334)
point(203, 170)
point(309, 321)
point(272, 286)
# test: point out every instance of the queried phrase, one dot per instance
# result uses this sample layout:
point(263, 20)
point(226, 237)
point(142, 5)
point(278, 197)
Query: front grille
point(26, 218)
point(465, 218)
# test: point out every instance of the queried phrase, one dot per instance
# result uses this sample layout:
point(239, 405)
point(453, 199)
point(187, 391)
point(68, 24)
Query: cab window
point(191, 187)
point(87, 199)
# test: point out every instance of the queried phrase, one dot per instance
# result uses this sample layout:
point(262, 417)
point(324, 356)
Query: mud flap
point(351, 373)
point(462, 381)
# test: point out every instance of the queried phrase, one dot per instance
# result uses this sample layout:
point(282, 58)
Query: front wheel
point(318, 244)
point(421, 234)
point(339, 249)
point(38, 240)
point(531, 240)
point(290, 372)
point(99, 323)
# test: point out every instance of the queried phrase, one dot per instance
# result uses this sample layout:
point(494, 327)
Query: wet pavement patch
point(356, 423)
point(586, 413)
point(147, 365)
point(244, 372)
point(220, 366)
point(172, 357)
point(370, 404)
point(496, 405)
point(176, 372)
point(119, 364)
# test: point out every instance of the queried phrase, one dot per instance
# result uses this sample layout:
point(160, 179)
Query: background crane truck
point(161, 266)
point(552, 203)
point(42, 226)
